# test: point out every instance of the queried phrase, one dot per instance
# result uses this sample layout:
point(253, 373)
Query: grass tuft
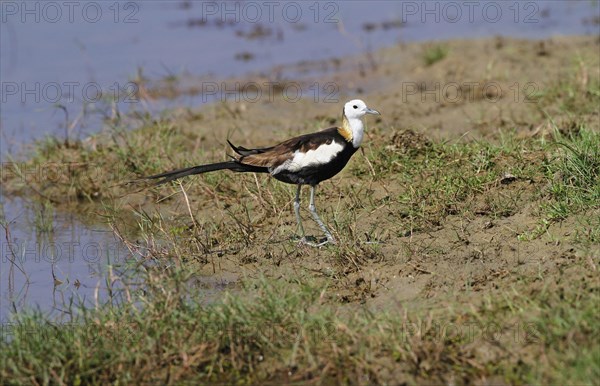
point(435, 54)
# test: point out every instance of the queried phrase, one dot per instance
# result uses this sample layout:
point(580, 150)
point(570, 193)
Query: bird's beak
point(371, 111)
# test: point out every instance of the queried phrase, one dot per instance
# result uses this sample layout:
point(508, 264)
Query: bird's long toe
point(306, 241)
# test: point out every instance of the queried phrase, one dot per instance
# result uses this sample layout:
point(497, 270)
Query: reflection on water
point(53, 261)
point(66, 65)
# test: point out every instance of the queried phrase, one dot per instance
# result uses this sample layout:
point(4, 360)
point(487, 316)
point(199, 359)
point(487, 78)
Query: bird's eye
point(355, 106)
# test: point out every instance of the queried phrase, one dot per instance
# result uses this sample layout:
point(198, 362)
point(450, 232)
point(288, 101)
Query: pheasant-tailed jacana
point(304, 160)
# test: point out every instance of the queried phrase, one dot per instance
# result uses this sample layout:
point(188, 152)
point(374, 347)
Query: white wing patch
point(321, 155)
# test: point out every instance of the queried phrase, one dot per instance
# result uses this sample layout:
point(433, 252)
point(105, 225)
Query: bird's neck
point(352, 130)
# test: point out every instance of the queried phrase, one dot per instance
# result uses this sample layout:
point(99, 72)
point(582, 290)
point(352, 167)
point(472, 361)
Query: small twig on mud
point(187, 202)
point(362, 150)
point(272, 204)
point(420, 269)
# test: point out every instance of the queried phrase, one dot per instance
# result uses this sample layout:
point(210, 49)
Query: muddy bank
point(468, 189)
point(449, 92)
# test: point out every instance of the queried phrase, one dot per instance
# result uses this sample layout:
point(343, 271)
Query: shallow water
point(50, 260)
point(80, 55)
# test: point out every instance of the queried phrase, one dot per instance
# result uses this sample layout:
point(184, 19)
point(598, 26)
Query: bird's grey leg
point(303, 239)
point(313, 211)
point(297, 211)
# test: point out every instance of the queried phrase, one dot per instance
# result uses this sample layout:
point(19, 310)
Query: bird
point(303, 160)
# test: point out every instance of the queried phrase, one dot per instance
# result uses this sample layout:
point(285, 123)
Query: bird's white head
point(352, 123)
point(356, 109)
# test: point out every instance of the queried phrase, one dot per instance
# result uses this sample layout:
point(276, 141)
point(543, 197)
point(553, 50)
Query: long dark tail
point(229, 165)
